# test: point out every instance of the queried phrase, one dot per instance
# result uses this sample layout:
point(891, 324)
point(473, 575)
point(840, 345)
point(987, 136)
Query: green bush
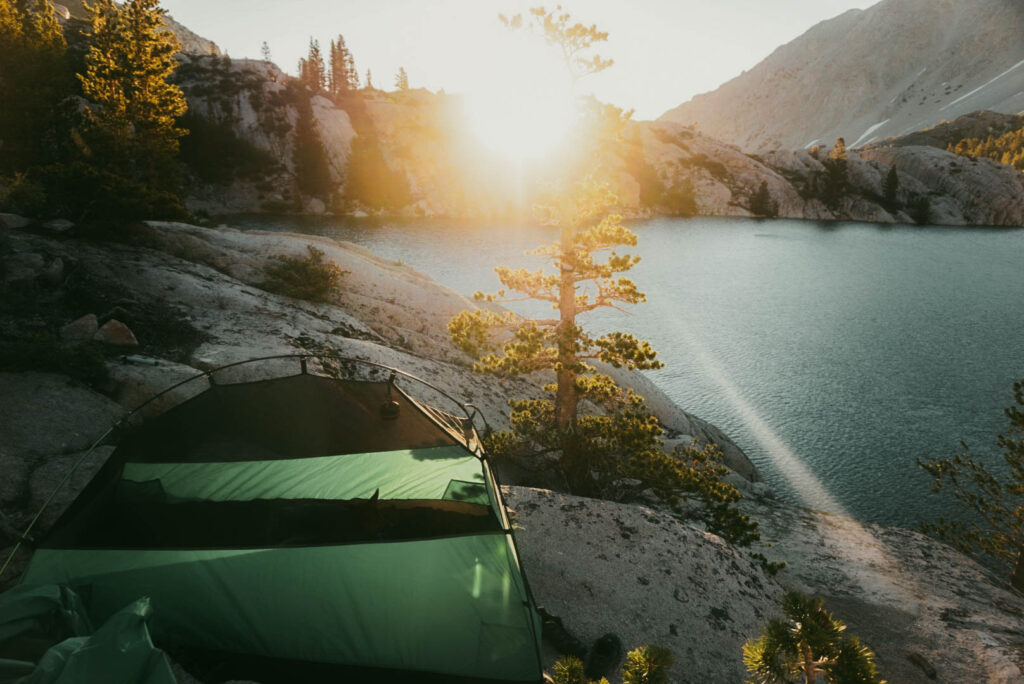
point(569, 670)
point(647, 665)
point(86, 193)
point(679, 199)
point(808, 644)
point(311, 278)
point(644, 665)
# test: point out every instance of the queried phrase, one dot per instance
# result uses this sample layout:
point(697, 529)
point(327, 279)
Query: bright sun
point(525, 109)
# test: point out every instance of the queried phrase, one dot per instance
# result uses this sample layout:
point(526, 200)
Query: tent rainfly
point(305, 528)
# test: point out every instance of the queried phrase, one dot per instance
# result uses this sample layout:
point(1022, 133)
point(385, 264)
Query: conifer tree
point(583, 210)
point(136, 108)
point(402, 79)
point(593, 450)
point(34, 78)
point(311, 170)
point(762, 204)
point(369, 80)
point(806, 644)
point(890, 189)
point(265, 51)
point(332, 59)
point(1006, 148)
point(835, 174)
point(312, 72)
point(342, 76)
point(350, 68)
point(647, 665)
point(995, 533)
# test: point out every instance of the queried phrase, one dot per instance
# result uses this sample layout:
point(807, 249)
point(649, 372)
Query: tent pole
point(49, 499)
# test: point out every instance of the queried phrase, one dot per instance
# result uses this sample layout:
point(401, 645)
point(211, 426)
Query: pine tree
point(136, 108)
point(647, 665)
point(350, 68)
point(332, 57)
point(369, 80)
point(762, 204)
point(838, 150)
point(265, 51)
point(312, 174)
point(342, 76)
point(890, 189)
point(995, 533)
point(1006, 148)
point(589, 227)
point(312, 72)
point(835, 174)
point(34, 74)
point(807, 644)
point(402, 79)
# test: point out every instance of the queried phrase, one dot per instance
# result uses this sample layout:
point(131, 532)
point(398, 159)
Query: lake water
point(833, 354)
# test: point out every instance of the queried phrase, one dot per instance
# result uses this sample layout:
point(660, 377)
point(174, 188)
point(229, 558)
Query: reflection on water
point(857, 347)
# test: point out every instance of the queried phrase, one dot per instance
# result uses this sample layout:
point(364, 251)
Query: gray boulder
point(116, 333)
point(81, 328)
point(43, 415)
point(643, 575)
point(13, 221)
point(23, 267)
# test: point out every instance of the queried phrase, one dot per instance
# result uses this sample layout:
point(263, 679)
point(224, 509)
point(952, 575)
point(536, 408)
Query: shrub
point(87, 193)
point(808, 644)
point(311, 278)
point(644, 665)
point(569, 670)
point(647, 665)
point(992, 498)
point(679, 200)
point(762, 204)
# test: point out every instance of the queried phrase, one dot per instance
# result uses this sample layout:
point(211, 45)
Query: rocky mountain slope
point(896, 67)
point(193, 300)
point(414, 144)
point(419, 142)
point(191, 42)
point(956, 190)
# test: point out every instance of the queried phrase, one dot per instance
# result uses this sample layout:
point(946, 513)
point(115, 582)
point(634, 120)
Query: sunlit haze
point(665, 51)
point(523, 110)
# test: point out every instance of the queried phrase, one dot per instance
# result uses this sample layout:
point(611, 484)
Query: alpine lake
point(834, 354)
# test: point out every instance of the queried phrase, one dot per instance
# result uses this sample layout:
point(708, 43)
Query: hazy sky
point(665, 51)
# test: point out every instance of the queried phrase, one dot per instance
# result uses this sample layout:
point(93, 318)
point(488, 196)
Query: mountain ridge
point(896, 67)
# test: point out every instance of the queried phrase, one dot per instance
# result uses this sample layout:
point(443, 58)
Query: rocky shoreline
point(191, 298)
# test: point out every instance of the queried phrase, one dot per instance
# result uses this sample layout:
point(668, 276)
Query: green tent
point(305, 528)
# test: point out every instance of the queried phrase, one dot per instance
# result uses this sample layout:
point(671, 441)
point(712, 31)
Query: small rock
point(83, 328)
point(315, 206)
point(13, 221)
point(54, 271)
point(58, 225)
point(116, 333)
point(922, 663)
point(23, 267)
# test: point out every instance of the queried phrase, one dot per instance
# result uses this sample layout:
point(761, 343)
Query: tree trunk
point(809, 667)
point(566, 397)
point(1018, 572)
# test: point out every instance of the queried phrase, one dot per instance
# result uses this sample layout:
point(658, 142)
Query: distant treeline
point(89, 125)
point(1007, 148)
